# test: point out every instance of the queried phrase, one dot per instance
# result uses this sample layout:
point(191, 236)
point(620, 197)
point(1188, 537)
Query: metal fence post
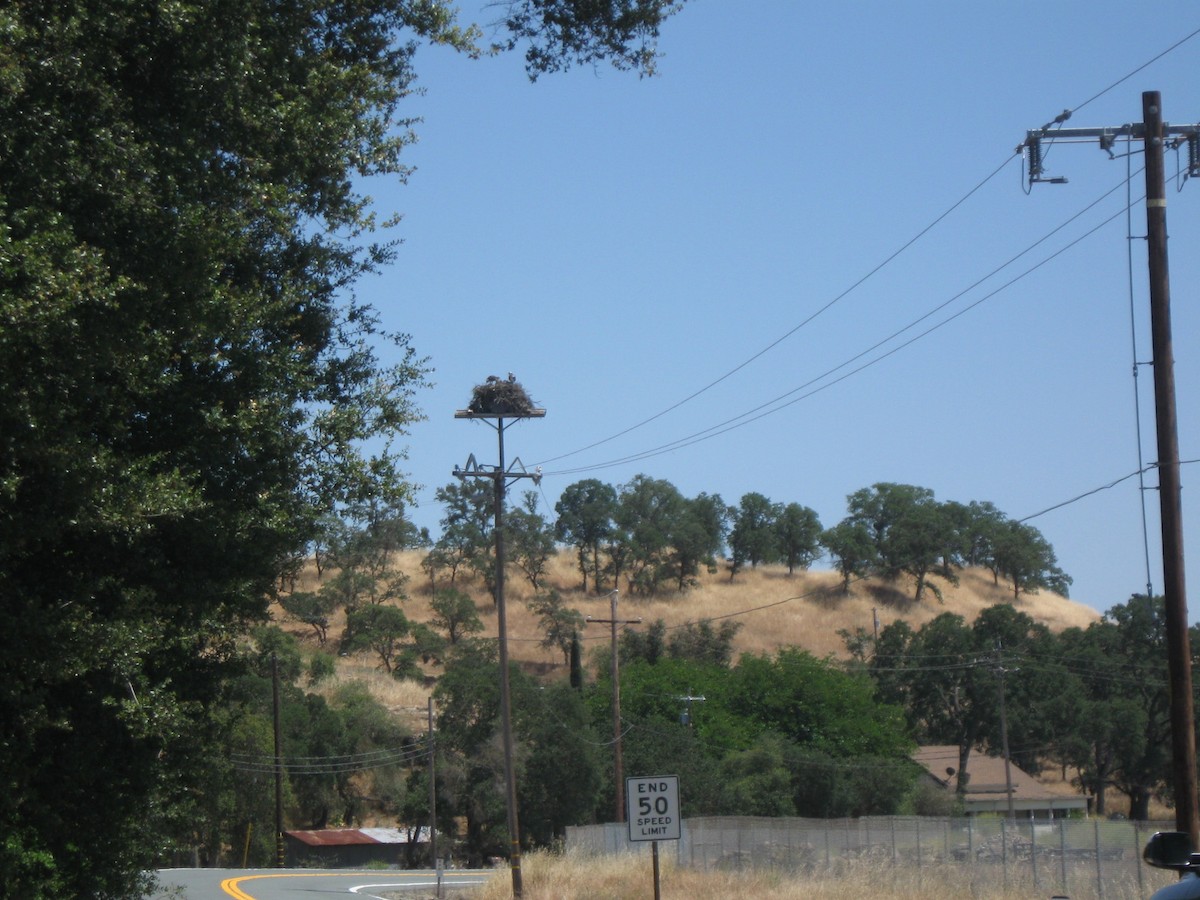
point(1062, 848)
point(1137, 855)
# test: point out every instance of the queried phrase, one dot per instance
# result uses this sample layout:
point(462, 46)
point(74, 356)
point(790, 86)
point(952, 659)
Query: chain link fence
point(1083, 858)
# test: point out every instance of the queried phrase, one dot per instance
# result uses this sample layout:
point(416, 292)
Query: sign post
point(652, 811)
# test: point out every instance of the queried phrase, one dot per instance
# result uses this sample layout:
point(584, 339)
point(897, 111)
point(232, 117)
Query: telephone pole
point(280, 853)
point(500, 476)
point(1001, 671)
point(1154, 131)
point(615, 674)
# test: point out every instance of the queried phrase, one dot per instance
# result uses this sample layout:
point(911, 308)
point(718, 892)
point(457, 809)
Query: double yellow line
point(232, 886)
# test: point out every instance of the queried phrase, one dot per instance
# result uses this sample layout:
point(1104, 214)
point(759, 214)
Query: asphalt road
point(292, 884)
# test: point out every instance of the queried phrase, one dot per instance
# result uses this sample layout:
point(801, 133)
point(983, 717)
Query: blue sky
point(623, 245)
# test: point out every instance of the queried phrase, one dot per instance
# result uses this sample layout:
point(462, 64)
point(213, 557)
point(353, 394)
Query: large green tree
point(913, 533)
point(186, 385)
point(187, 379)
point(1025, 557)
point(585, 521)
point(754, 536)
point(696, 537)
point(648, 512)
point(798, 533)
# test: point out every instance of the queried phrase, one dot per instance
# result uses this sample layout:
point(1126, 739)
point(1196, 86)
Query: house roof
point(345, 837)
point(985, 786)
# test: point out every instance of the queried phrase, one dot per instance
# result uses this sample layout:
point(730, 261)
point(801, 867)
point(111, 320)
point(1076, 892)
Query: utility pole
point(615, 674)
point(275, 719)
point(1154, 131)
point(433, 854)
point(500, 476)
point(1008, 788)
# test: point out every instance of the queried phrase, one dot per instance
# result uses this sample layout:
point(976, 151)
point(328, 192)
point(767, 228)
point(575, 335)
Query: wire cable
point(777, 404)
point(1179, 43)
point(905, 246)
point(1136, 367)
point(771, 346)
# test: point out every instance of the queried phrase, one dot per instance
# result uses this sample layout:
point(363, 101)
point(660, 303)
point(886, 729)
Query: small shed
point(986, 788)
point(347, 848)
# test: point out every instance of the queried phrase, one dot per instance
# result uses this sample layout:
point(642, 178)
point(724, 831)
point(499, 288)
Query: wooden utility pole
point(615, 674)
point(499, 476)
point(433, 852)
point(1153, 131)
point(1179, 655)
point(275, 719)
point(1001, 671)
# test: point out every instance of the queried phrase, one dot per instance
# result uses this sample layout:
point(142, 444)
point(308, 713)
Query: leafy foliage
point(585, 521)
point(558, 622)
point(454, 612)
point(561, 33)
point(754, 537)
point(529, 539)
point(466, 542)
point(798, 536)
point(189, 384)
point(187, 388)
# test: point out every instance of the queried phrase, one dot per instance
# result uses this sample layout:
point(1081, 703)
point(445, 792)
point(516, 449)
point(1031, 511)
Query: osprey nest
point(499, 396)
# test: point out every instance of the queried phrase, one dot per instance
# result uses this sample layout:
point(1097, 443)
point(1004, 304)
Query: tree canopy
point(189, 383)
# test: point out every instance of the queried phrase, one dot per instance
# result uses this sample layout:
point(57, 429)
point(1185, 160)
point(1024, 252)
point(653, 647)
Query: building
point(986, 786)
point(337, 848)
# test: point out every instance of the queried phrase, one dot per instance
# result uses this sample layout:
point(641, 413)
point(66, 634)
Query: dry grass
point(774, 610)
point(572, 876)
point(806, 610)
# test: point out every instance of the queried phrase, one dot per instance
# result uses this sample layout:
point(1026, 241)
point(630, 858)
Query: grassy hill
point(775, 610)
point(806, 610)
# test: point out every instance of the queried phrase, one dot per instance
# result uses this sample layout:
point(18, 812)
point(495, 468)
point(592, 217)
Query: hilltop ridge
point(774, 610)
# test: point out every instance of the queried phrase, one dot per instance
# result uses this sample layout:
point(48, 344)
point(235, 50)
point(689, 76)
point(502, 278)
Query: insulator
point(1193, 140)
point(1035, 159)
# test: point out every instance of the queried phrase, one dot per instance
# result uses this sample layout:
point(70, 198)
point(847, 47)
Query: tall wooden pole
point(1179, 657)
point(618, 762)
point(275, 719)
point(433, 848)
point(510, 777)
point(499, 475)
point(615, 675)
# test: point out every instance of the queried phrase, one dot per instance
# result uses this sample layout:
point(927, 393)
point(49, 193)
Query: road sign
point(652, 807)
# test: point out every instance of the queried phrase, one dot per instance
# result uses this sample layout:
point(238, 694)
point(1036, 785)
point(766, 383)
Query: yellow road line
point(232, 886)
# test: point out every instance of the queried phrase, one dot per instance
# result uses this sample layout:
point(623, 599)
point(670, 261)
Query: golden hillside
point(806, 610)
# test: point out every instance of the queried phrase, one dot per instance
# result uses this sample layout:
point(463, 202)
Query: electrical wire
point(777, 404)
point(779, 340)
point(1144, 65)
point(1136, 367)
point(327, 765)
point(1085, 494)
point(857, 283)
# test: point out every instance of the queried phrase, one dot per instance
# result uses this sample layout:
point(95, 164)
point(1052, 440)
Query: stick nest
point(499, 396)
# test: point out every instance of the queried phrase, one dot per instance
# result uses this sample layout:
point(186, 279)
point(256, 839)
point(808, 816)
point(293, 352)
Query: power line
point(1144, 65)
point(329, 765)
point(777, 404)
point(873, 271)
point(831, 303)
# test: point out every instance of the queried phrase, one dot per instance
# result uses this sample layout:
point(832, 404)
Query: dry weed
point(573, 876)
point(807, 610)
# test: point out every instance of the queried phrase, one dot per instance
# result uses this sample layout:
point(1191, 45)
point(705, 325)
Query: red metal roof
point(341, 837)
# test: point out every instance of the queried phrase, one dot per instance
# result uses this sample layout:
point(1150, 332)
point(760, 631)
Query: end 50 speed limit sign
point(652, 807)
